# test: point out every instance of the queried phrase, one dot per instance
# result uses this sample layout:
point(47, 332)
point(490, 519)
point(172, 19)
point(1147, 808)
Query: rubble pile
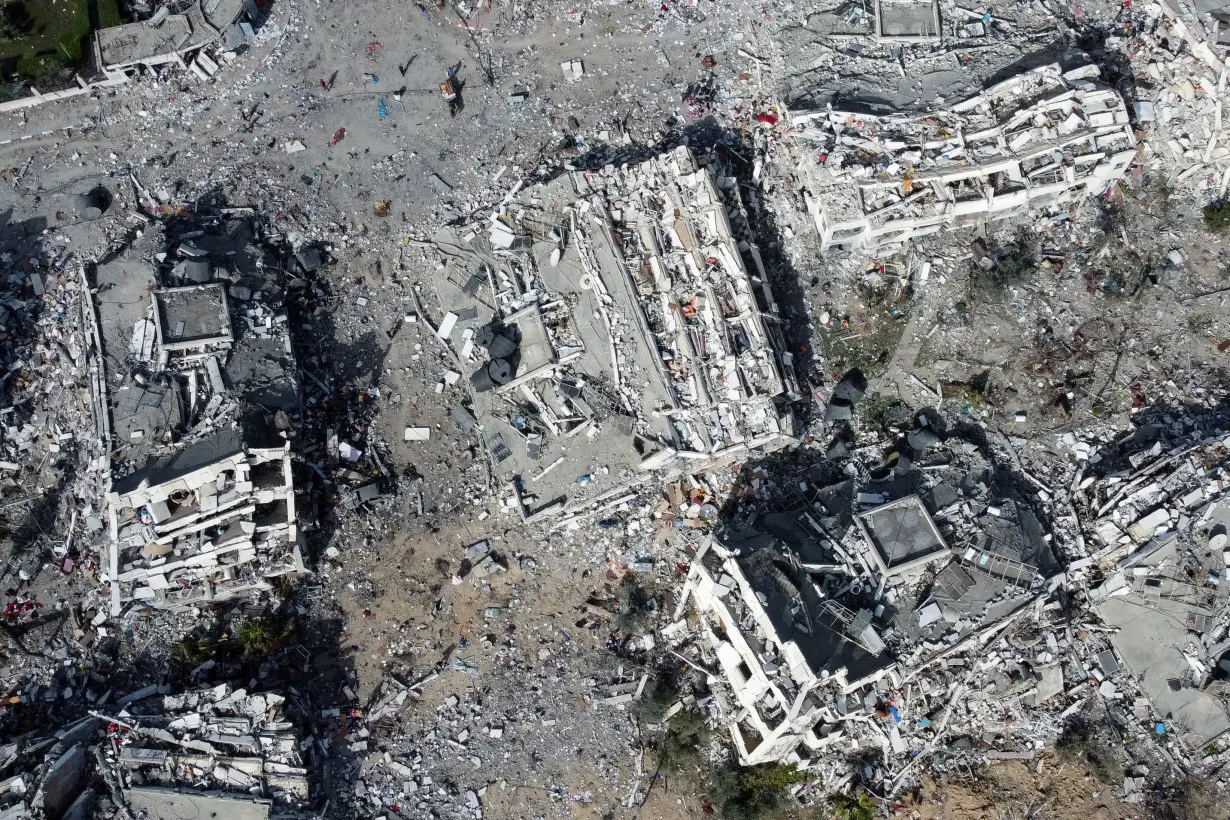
point(635, 314)
point(212, 749)
point(1036, 142)
point(49, 441)
point(1180, 96)
point(203, 398)
point(543, 391)
point(509, 704)
point(917, 606)
point(1153, 500)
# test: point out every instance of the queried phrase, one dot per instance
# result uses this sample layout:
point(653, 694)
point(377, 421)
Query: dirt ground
point(1012, 790)
point(533, 671)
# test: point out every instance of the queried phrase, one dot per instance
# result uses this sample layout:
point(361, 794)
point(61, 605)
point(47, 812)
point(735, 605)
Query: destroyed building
point(814, 618)
point(173, 38)
point(780, 642)
point(612, 323)
point(1158, 518)
point(200, 397)
point(209, 751)
point(1035, 143)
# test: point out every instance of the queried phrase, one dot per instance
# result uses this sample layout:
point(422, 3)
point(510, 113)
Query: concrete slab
point(167, 804)
point(1152, 634)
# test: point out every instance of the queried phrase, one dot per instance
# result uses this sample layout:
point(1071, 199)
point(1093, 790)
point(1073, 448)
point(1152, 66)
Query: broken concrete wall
point(1039, 141)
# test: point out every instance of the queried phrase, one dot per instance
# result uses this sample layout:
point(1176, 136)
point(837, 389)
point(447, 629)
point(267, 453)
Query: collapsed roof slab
point(902, 536)
point(646, 324)
point(193, 316)
point(168, 803)
point(1149, 638)
point(136, 43)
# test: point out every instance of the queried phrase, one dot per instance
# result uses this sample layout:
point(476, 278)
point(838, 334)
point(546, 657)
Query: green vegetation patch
point(109, 14)
point(44, 32)
point(1217, 215)
point(753, 792)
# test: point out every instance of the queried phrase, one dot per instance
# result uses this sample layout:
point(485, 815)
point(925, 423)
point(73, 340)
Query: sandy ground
point(1013, 789)
point(562, 754)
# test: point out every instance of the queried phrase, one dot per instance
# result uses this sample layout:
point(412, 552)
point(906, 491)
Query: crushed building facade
point(1035, 143)
point(200, 395)
point(626, 310)
point(851, 620)
point(214, 750)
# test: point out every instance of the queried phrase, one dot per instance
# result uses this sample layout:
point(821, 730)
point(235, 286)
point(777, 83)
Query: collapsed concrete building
point(910, 600)
point(614, 323)
point(778, 641)
point(1158, 517)
point(174, 38)
point(1035, 143)
point(209, 751)
point(820, 625)
point(200, 397)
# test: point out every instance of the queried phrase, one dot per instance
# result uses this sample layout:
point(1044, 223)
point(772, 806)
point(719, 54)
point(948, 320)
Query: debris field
point(442, 410)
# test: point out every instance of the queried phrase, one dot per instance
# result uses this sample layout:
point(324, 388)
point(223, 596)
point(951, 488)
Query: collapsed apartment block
point(1155, 499)
point(1035, 143)
point(199, 397)
point(176, 39)
point(207, 752)
point(811, 620)
point(616, 322)
point(778, 639)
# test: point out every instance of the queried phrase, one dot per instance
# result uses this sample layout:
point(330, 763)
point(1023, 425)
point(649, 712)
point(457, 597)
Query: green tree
point(191, 651)
point(1217, 216)
point(752, 792)
point(854, 807)
point(260, 636)
point(686, 734)
point(15, 21)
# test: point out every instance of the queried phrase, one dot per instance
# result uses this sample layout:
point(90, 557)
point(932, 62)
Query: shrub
point(751, 793)
point(191, 651)
point(659, 697)
point(1217, 216)
point(1080, 743)
point(260, 636)
point(1189, 798)
point(854, 807)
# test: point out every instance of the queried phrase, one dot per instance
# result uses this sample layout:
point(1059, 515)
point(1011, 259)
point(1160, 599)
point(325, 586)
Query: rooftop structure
point(910, 21)
point(1033, 144)
point(171, 38)
point(902, 536)
point(134, 43)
